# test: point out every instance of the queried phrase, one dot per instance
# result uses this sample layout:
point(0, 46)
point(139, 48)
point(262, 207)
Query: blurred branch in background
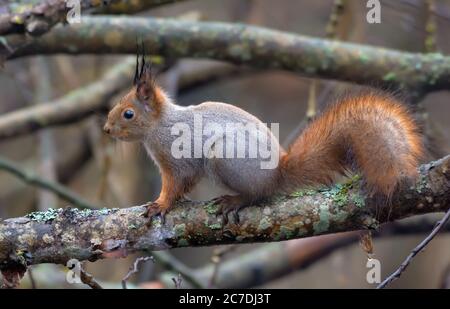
point(172, 264)
point(59, 235)
point(275, 260)
point(134, 269)
point(396, 274)
point(95, 97)
point(72, 107)
point(54, 187)
point(89, 280)
point(36, 18)
point(243, 44)
point(131, 7)
point(430, 27)
point(217, 260)
point(445, 281)
point(41, 77)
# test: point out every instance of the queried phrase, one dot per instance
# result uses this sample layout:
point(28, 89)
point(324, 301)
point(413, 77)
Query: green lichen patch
point(340, 192)
point(85, 213)
point(211, 208)
point(358, 200)
point(301, 193)
point(364, 58)
point(287, 232)
point(390, 77)
point(212, 226)
point(421, 184)
point(215, 226)
point(180, 230)
point(324, 220)
point(44, 216)
point(264, 224)
point(51, 214)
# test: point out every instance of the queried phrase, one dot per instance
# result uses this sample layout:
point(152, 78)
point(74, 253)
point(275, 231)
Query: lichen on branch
point(249, 45)
point(56, 236)
point(36, 17)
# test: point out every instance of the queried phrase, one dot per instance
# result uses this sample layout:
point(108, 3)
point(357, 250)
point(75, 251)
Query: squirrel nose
point(107, 129)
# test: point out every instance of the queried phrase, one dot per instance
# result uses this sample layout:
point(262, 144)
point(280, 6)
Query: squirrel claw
point(229, 204)
point(154, 209)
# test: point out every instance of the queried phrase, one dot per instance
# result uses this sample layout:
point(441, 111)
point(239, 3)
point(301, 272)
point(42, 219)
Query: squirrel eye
point(128, 114)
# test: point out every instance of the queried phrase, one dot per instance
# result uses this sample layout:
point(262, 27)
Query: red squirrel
point(371, 132)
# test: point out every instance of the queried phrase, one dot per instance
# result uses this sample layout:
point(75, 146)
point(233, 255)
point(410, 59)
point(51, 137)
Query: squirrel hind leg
point(231, 204)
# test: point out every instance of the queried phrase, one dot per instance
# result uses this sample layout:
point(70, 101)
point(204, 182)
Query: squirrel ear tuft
point(145, 85)
point(143, 77)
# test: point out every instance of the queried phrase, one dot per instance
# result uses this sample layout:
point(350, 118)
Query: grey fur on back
point(237, 174)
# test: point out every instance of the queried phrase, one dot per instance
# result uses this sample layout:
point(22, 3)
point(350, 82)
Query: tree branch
point(39, 17)
point(396, 274)
point(250, 45)
point(71, 107)
point(57, 236)
point(275, 260)
point(95, 97)
point(51, 186)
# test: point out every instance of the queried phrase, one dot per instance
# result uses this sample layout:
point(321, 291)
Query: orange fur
point(372, 133)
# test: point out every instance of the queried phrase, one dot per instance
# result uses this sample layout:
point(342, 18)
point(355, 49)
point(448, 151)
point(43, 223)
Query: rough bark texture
point(55, 236)
point(243, 44)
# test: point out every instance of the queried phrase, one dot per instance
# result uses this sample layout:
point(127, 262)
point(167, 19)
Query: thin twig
point(430, 27)
point(395, 275)
point(171, 263)
point(366, 243)
point(334, 19)
point(89, 280)
point(33, 179)
point(216, 260)
point(177, 281)
point(32, 280)
point(445, 281)
point(134, 269)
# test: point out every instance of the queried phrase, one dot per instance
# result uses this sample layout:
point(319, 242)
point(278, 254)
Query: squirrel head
point(137, 111)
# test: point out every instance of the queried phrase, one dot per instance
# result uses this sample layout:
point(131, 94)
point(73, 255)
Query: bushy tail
point(371, 133)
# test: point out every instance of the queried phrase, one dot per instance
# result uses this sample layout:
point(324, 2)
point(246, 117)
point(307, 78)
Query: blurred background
point(118, 174)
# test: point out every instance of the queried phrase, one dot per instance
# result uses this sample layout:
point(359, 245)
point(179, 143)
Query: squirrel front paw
point(154, 209)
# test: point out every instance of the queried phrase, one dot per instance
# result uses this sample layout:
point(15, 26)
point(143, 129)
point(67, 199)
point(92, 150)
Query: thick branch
point(135, 6)
point(38, 17)
point(57, 236)
point(243, 44)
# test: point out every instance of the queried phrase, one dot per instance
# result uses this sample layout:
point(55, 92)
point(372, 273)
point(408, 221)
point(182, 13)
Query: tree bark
point(249, 45)
point(55, 236)
point(39, 17)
